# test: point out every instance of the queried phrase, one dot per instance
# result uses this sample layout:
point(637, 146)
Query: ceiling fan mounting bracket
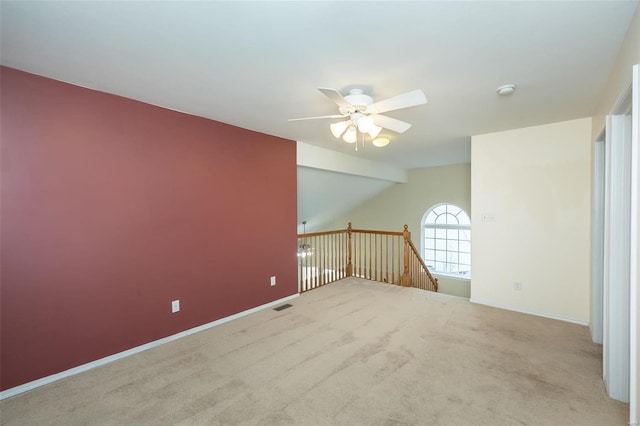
point(355, 109)
point(358, 100)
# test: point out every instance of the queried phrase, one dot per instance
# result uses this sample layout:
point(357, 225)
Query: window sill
point(451, 277)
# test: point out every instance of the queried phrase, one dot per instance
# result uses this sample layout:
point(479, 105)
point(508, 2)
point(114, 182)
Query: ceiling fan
point(364, 115)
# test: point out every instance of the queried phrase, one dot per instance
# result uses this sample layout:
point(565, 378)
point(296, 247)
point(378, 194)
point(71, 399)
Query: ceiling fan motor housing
point(358, 100)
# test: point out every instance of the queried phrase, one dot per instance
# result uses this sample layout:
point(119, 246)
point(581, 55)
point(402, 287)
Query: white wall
point(533, 185)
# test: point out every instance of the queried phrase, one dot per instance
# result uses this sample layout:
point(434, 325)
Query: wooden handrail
point(342, 231)
point(367, 231)
point(416, 254)
point(315, 234)
point(385, 256)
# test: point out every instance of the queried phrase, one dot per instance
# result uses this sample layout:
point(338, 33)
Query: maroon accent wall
point(112, 208)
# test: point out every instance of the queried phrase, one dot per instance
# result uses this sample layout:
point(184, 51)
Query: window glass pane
point(441, 244)
point(442, 219)
point(453, 267)
point(463, 218)
point(452, 234)
point(440, 209)
point(465, 258)
point(451, 219)
point(465, 246)
point(429, 243)
point(429, 232)
point(441, 233)
point(429, 255)
point(452, 257)
point(454, 210)
point(452, 245)
point(441, 255)
point(440, 266)
point(431, 217)
point(465, 234)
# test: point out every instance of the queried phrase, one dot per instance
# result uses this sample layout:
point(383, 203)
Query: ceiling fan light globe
point(350, 136)
point(374, 130)
point(338, 128)
point(365, 123)
point(380, 142)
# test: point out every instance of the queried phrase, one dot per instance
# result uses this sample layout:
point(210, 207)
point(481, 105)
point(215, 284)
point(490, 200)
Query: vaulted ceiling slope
point(256, 64)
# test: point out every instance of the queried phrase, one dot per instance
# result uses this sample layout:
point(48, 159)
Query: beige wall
point(536, 185)
point(406, 203)
point(620, 77)
point(454, 286)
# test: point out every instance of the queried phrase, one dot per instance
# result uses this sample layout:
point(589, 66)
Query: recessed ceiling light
point(506, 90)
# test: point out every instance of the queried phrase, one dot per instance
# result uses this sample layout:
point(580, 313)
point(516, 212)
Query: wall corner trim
point(523, 311)
point(111, 358)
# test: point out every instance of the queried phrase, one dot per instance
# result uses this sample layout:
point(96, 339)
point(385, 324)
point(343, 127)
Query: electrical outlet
point(273, 280)
point(517, 285)
point(175, 306)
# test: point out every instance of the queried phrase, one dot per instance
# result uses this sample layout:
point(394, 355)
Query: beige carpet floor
point(352, 353)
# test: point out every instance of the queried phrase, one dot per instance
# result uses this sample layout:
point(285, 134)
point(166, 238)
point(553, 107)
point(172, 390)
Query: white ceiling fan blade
point(313, 118)
point(335, 96)
point(406, 100)
point(391, 123)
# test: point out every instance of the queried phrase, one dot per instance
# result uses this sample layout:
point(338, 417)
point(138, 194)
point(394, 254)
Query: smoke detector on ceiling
point(506, 90)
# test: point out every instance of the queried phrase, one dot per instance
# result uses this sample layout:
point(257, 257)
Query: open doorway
point(615, 243)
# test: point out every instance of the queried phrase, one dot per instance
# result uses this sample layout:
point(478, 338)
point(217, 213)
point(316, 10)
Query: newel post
point(349, 264)
point(405, 280)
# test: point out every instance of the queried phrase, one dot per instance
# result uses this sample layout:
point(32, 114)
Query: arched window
point(447, 240)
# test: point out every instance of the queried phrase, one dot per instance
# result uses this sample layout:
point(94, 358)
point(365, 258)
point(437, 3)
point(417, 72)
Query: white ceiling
point(256, 64)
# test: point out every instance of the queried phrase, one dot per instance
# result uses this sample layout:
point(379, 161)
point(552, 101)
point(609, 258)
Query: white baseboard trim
point(523, 311)
point(106, 360)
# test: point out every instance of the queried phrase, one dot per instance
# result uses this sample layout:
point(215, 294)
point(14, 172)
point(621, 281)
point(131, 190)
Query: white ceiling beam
point(325, 159)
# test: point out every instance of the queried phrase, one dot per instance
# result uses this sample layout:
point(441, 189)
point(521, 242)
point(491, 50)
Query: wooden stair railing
point(416, 270)
point(390, 257)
